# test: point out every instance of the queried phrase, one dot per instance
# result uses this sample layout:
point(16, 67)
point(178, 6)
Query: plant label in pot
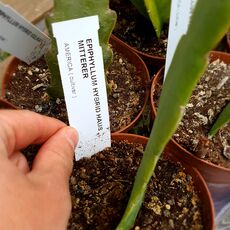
point(178, 25)
point(82, 73)
point(19, 37)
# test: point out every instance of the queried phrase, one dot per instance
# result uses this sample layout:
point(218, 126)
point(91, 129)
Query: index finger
point(20, 128)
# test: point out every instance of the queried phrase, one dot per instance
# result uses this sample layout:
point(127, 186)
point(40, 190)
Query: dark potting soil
point(100, 187)
point(210, 96)
point(28, 90)
point(136, 30)
point(128, 92)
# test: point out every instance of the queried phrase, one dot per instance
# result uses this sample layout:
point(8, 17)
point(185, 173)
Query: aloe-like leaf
point(222, 119)
point(159, 11)
point(164, 9)
point(209, 22)
point(71, 9)
point(140, 5)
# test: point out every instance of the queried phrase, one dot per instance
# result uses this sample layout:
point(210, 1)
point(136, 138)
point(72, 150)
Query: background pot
point(199, 183)
point(152, 61)
point(9, 70)
point(131, 56)
point(211, 172)
point(135, 59)
point(134, 29)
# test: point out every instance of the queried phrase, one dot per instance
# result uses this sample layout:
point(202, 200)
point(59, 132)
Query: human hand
point(40, 198)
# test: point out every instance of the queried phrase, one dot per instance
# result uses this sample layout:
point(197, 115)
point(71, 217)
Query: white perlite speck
point(202, 118)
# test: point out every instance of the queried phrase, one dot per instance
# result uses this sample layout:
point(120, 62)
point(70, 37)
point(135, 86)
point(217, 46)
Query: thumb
point(55, 157)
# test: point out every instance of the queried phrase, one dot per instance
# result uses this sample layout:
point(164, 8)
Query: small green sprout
point(222, 119)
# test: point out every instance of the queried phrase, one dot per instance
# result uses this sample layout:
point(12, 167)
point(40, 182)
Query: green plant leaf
point(222, 119)
point(140, 5)
point(159, 11)
point(3, 55)
point(209, 22)
point(71, 9)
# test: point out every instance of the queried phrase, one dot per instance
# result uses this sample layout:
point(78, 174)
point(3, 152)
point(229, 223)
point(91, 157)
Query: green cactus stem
point(72, 9)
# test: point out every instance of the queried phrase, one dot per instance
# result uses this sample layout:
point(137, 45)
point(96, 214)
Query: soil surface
point(136, 30)
point(101, 185)
point(209, 98)
point(28, 90)
point(128, 92)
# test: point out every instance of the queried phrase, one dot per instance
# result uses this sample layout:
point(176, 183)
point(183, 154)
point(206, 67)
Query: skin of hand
point(38, 198)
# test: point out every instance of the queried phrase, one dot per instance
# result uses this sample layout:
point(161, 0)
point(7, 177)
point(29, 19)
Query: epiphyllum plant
point(158, 12)
point(72, 9)
point(203, 34)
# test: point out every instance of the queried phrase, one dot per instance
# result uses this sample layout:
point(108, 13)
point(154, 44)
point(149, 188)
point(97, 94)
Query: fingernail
point(72, 136)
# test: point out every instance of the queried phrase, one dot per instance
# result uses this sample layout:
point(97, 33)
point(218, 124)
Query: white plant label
point(82, 72)
point(181, 11)
point(21, 38)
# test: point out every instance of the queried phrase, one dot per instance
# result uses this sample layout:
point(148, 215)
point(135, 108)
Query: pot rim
point(126, 51)
point(6, 105)
point(149, 56)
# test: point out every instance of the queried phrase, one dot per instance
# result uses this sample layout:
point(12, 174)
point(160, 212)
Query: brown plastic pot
point(121, 48)
point(6, 105)
point(152, 61)
point(212, 173)
point(141, 68)
point(199, 183)
point(9, 70)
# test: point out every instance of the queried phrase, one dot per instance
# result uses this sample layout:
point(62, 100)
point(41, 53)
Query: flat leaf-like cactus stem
point(72, 9)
